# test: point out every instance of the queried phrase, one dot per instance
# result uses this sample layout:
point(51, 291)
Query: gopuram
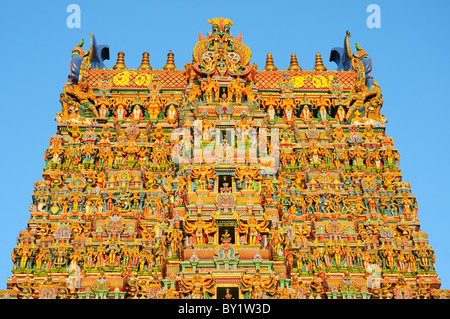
point(222, 181)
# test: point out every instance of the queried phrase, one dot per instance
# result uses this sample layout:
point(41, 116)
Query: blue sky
point(409, 55)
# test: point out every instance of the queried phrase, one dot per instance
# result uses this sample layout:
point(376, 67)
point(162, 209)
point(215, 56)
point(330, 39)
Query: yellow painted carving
point(319, 81)
point(142, 79)
point(122, 78)
point(299, 81)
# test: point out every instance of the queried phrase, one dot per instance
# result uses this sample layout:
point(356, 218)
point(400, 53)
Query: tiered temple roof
point(222, 180)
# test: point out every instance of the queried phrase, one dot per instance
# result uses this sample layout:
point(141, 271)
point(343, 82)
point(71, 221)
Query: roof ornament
point(294, 63)
point(319, 64)
point(145, 64)
point(120, 64)
point(269, 63)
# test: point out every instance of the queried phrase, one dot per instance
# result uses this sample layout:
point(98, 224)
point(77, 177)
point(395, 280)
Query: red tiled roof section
point(264, 80)
point(304, 80)
point(127, 79)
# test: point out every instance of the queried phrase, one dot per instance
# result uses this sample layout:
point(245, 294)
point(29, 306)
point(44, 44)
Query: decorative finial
point(319, 64)
point(294, 63)
point(269, 63)
point(145, 64)
point(170, 64)
point(120, 64)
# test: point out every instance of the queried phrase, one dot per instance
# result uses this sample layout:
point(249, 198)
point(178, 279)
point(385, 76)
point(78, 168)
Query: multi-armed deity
point(222, 180)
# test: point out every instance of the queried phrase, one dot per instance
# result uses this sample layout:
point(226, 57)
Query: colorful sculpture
point(222, 180)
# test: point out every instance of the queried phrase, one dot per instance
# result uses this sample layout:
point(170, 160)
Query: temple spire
point(120, 64)
point(319, 64)
point(170, 64)
point(269, 63)
point(145, 64)
point(294, 63)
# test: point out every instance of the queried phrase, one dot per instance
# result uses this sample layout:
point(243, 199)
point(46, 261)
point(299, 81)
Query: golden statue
point(252, 229)
point(207, 128)
point(194, 94)
point(85, 96)
point(358, 95)
point(256, 285)
point(389, 251)
point(200, 230)
point(198, 286)
point(203, 175)
point(247, 174)
point(236, 88)
point(175, 239)
point(211, 90)
point(154, 104)
point(323, 105)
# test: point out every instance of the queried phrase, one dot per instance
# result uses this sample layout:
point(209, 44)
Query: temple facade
point(222, 181)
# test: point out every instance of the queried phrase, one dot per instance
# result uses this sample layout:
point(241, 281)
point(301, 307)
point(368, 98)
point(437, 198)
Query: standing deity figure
point(24, 251)
point(252, 229)
point(154, 104)
point(247, 175)
point(389, 252)
point(256, 285)
point(271, 104)
point(243, 128)
point(100, 255)
point(113, 248)
point(337, 251)
point(336, 88)
point(278, 241)
point(424, 252)
point(66, 103)
point(198, 286)
point(136, 113)
point(194, 94)
point(248, 91)
point(89, 257)
point(207, 128)
point(340, 111)
point(288, 105)
point(60, 254)
point(323, 105)
point(211, 90)
point(120, 104)
point(175, 238)
point(236, 88)
point(305, 112)
point(200, 230)
point(203, 175)
point(103, 103)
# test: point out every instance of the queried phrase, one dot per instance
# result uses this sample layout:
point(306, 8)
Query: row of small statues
point(203, 286)
point(80, 97)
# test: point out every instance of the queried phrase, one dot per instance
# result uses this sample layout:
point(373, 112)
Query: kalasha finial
point(269, 63)
point(319, 64)
point(170, 64)
point(145, 64)
point(294, 63)
point(120, 64)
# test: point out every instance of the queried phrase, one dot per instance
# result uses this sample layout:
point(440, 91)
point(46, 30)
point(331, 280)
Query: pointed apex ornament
point(170, 64)
point(269, 63)
point(145, 64)
point(294, 63)
point(120, 64)
point(319, 64)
